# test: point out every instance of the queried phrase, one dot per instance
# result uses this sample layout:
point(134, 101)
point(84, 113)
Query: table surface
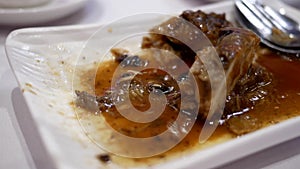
point(14, 152)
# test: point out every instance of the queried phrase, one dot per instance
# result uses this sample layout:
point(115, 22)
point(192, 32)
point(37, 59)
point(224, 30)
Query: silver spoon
point(276, 30)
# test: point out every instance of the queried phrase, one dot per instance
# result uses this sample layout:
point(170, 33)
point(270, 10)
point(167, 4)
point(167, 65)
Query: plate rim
point(34, 15)
point(270, 131)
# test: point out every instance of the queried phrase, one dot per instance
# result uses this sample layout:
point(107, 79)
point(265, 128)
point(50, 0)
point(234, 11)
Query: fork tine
point(252, 18)
point(257, 12)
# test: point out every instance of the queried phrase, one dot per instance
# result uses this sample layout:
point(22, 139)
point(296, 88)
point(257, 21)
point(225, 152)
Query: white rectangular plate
point(43, 60)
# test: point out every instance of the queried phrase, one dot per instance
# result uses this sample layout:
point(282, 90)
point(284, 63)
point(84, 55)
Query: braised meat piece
point(94, 103)
point(173, 35)
point(247, 82)
point(236, 50)
point(210, 24)
point(255, 87)
point(162, 36)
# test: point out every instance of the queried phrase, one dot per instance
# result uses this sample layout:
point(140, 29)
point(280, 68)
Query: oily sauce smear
point(287, 97)
point(286, 105)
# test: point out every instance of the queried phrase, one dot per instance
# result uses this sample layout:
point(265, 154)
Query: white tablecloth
point(14, 153)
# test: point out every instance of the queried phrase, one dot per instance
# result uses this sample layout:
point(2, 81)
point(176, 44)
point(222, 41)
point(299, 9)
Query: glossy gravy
point(286, 105)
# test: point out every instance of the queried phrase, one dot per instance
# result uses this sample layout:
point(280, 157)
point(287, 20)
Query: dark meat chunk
point(119, 54)
point(210, 24)
point(162, 36)
point(173, 35)
point(255, 87)
point(94, 103)
point(236, 47)
point(237, 50)
point(86, 100)
point(123, 57)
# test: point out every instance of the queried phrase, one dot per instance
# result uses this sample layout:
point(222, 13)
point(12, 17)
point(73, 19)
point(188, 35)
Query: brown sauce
point(287, 97)
point(286, 105)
